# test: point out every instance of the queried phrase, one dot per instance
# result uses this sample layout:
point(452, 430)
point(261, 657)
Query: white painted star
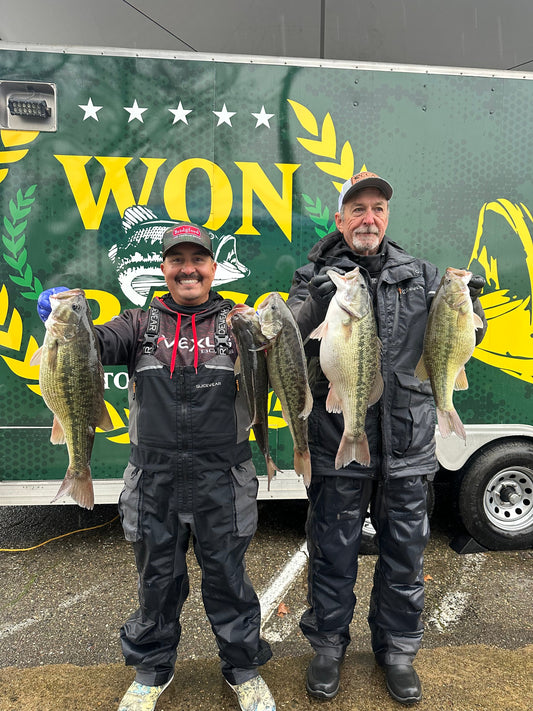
point(262, 118)
point(90, 110)
point(135, 112)
point(224, 116)
point(180, 114)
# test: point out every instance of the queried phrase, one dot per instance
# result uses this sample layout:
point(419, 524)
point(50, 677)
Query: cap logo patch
point(186, 230)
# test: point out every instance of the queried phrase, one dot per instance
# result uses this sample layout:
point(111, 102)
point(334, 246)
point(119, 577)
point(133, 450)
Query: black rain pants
point(337, 507)
point(222, 522)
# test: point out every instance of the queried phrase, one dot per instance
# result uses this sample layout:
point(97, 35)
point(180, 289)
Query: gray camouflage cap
point(187, 232)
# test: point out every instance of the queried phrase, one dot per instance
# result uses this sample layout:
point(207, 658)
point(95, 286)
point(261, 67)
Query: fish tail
point(302, 465)
point(352, 450)
point(80, 488)
point(449, 421)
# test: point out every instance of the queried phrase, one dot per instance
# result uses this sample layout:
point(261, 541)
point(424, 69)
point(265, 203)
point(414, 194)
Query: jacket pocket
point(412, 414)
point(130, 503)
point(245, 486)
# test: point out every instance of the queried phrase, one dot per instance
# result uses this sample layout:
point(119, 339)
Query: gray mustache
point(372, 229)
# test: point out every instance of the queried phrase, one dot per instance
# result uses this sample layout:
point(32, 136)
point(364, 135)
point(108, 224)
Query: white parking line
point(271, 597)
point(8, 630)
point(450, 608)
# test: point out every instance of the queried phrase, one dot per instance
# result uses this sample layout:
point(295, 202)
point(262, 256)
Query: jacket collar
point(213, 304)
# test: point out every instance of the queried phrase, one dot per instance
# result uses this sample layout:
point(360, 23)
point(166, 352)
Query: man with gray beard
point(400, 428)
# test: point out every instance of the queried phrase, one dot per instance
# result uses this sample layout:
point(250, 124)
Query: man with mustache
point(190, 475)
point(401, 434)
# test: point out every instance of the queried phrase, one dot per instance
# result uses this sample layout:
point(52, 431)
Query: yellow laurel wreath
point(11, 139)
point(325, 144)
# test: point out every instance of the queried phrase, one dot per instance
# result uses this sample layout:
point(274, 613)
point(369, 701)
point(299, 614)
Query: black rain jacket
point(185, 411)
point(401, 426)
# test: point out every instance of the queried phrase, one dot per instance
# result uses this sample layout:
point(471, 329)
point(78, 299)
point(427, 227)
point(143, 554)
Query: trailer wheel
point(496, 497)
point(369, 545)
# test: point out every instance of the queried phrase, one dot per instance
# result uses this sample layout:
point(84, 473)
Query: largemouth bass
point(72, 386)
point(252, 366)
point(287, 372)
point(449, 341)
point(350, 357)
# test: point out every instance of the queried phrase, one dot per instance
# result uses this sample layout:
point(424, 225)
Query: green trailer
point(100, 149)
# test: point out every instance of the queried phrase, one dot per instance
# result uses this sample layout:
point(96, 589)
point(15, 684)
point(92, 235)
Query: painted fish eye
point(76, 307)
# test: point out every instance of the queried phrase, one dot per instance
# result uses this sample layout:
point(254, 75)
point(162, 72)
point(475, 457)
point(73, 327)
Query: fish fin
point(333, 402)
point(461, 381)
point(320, 331)
point(105, 423)
point(302, 465)
point(79, 488)
point(449, 421)
point(36, 357)
point(377, 389)
point(421, 371)
point(304, 414)
point(478, 323)
point(272, 468)
point(58, 433)
point(353, 450)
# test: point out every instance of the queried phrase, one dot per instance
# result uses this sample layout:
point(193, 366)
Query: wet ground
point(62, 604)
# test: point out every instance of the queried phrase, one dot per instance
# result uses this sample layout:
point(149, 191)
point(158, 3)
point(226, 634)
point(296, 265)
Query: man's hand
point(43, 302)
point(321, 287)
point(475, 286)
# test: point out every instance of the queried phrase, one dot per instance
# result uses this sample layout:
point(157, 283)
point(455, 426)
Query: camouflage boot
point(254, 695)
point(140, 697)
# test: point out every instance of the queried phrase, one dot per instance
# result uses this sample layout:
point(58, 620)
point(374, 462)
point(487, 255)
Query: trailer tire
point(369, 544)
point(496, 497)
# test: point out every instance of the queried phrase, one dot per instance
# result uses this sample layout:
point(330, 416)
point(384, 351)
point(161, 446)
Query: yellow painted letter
point(221, 193)
point(279, 206)
point(115, 181)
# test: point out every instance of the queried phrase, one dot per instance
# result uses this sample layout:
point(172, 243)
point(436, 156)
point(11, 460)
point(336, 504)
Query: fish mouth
point(67, 294)
point(240, 309)
point(459, 272)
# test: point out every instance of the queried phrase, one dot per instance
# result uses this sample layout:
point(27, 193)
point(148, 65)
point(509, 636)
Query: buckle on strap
point(222, 339)
point(152, 332)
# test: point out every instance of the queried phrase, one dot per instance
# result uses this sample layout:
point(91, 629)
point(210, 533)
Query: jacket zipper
point(397, 305)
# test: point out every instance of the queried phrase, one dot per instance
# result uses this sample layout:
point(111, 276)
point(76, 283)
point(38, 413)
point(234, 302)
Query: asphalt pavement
point(63, 602)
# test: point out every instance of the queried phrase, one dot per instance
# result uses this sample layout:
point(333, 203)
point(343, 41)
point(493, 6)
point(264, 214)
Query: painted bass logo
point(137, 258)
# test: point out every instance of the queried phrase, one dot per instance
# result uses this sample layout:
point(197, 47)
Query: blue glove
point(43, 302)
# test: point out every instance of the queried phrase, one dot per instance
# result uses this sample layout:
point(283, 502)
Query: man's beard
point(365, 239)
